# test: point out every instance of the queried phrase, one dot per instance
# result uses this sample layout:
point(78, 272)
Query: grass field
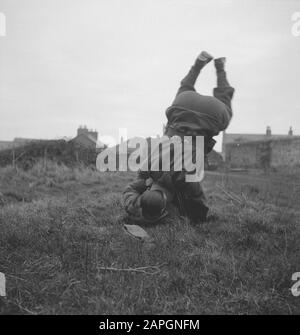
point(63, 250)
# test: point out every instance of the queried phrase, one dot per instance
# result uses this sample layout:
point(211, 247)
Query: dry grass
point(63, 251)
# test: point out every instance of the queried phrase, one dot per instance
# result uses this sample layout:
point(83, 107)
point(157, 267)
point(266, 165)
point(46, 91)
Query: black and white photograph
point(149, 160)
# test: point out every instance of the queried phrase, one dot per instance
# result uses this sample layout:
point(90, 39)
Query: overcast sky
point(109, 64)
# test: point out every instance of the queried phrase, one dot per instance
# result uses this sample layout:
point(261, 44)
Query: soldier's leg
point(223, 91)
point(188, 82)
point(222, 80)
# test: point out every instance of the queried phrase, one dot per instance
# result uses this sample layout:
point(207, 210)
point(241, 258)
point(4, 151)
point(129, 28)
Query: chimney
point(291, 131)
point(268, 131)
point(82, 130)
point(94, 134)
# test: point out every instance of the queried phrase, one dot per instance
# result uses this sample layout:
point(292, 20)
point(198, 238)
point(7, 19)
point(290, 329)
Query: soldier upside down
point(156, 194)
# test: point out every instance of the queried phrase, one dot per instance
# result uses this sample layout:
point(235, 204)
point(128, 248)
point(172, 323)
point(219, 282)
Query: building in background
point(243, 138)
point(87, 138)
point(17, 142)
point(261, 151)
point(6, 145)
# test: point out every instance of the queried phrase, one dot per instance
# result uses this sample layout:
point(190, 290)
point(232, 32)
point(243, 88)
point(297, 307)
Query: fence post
point(13, 157)
point(45, 158)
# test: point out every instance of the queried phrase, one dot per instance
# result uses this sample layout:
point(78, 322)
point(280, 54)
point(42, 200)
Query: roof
point(27, 140)
point(266, 139)
point(6, 145)
point(232, 138)
point(91, 139)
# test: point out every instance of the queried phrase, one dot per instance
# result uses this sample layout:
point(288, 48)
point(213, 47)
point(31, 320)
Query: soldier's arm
point(131, 194)
point(193, 197)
